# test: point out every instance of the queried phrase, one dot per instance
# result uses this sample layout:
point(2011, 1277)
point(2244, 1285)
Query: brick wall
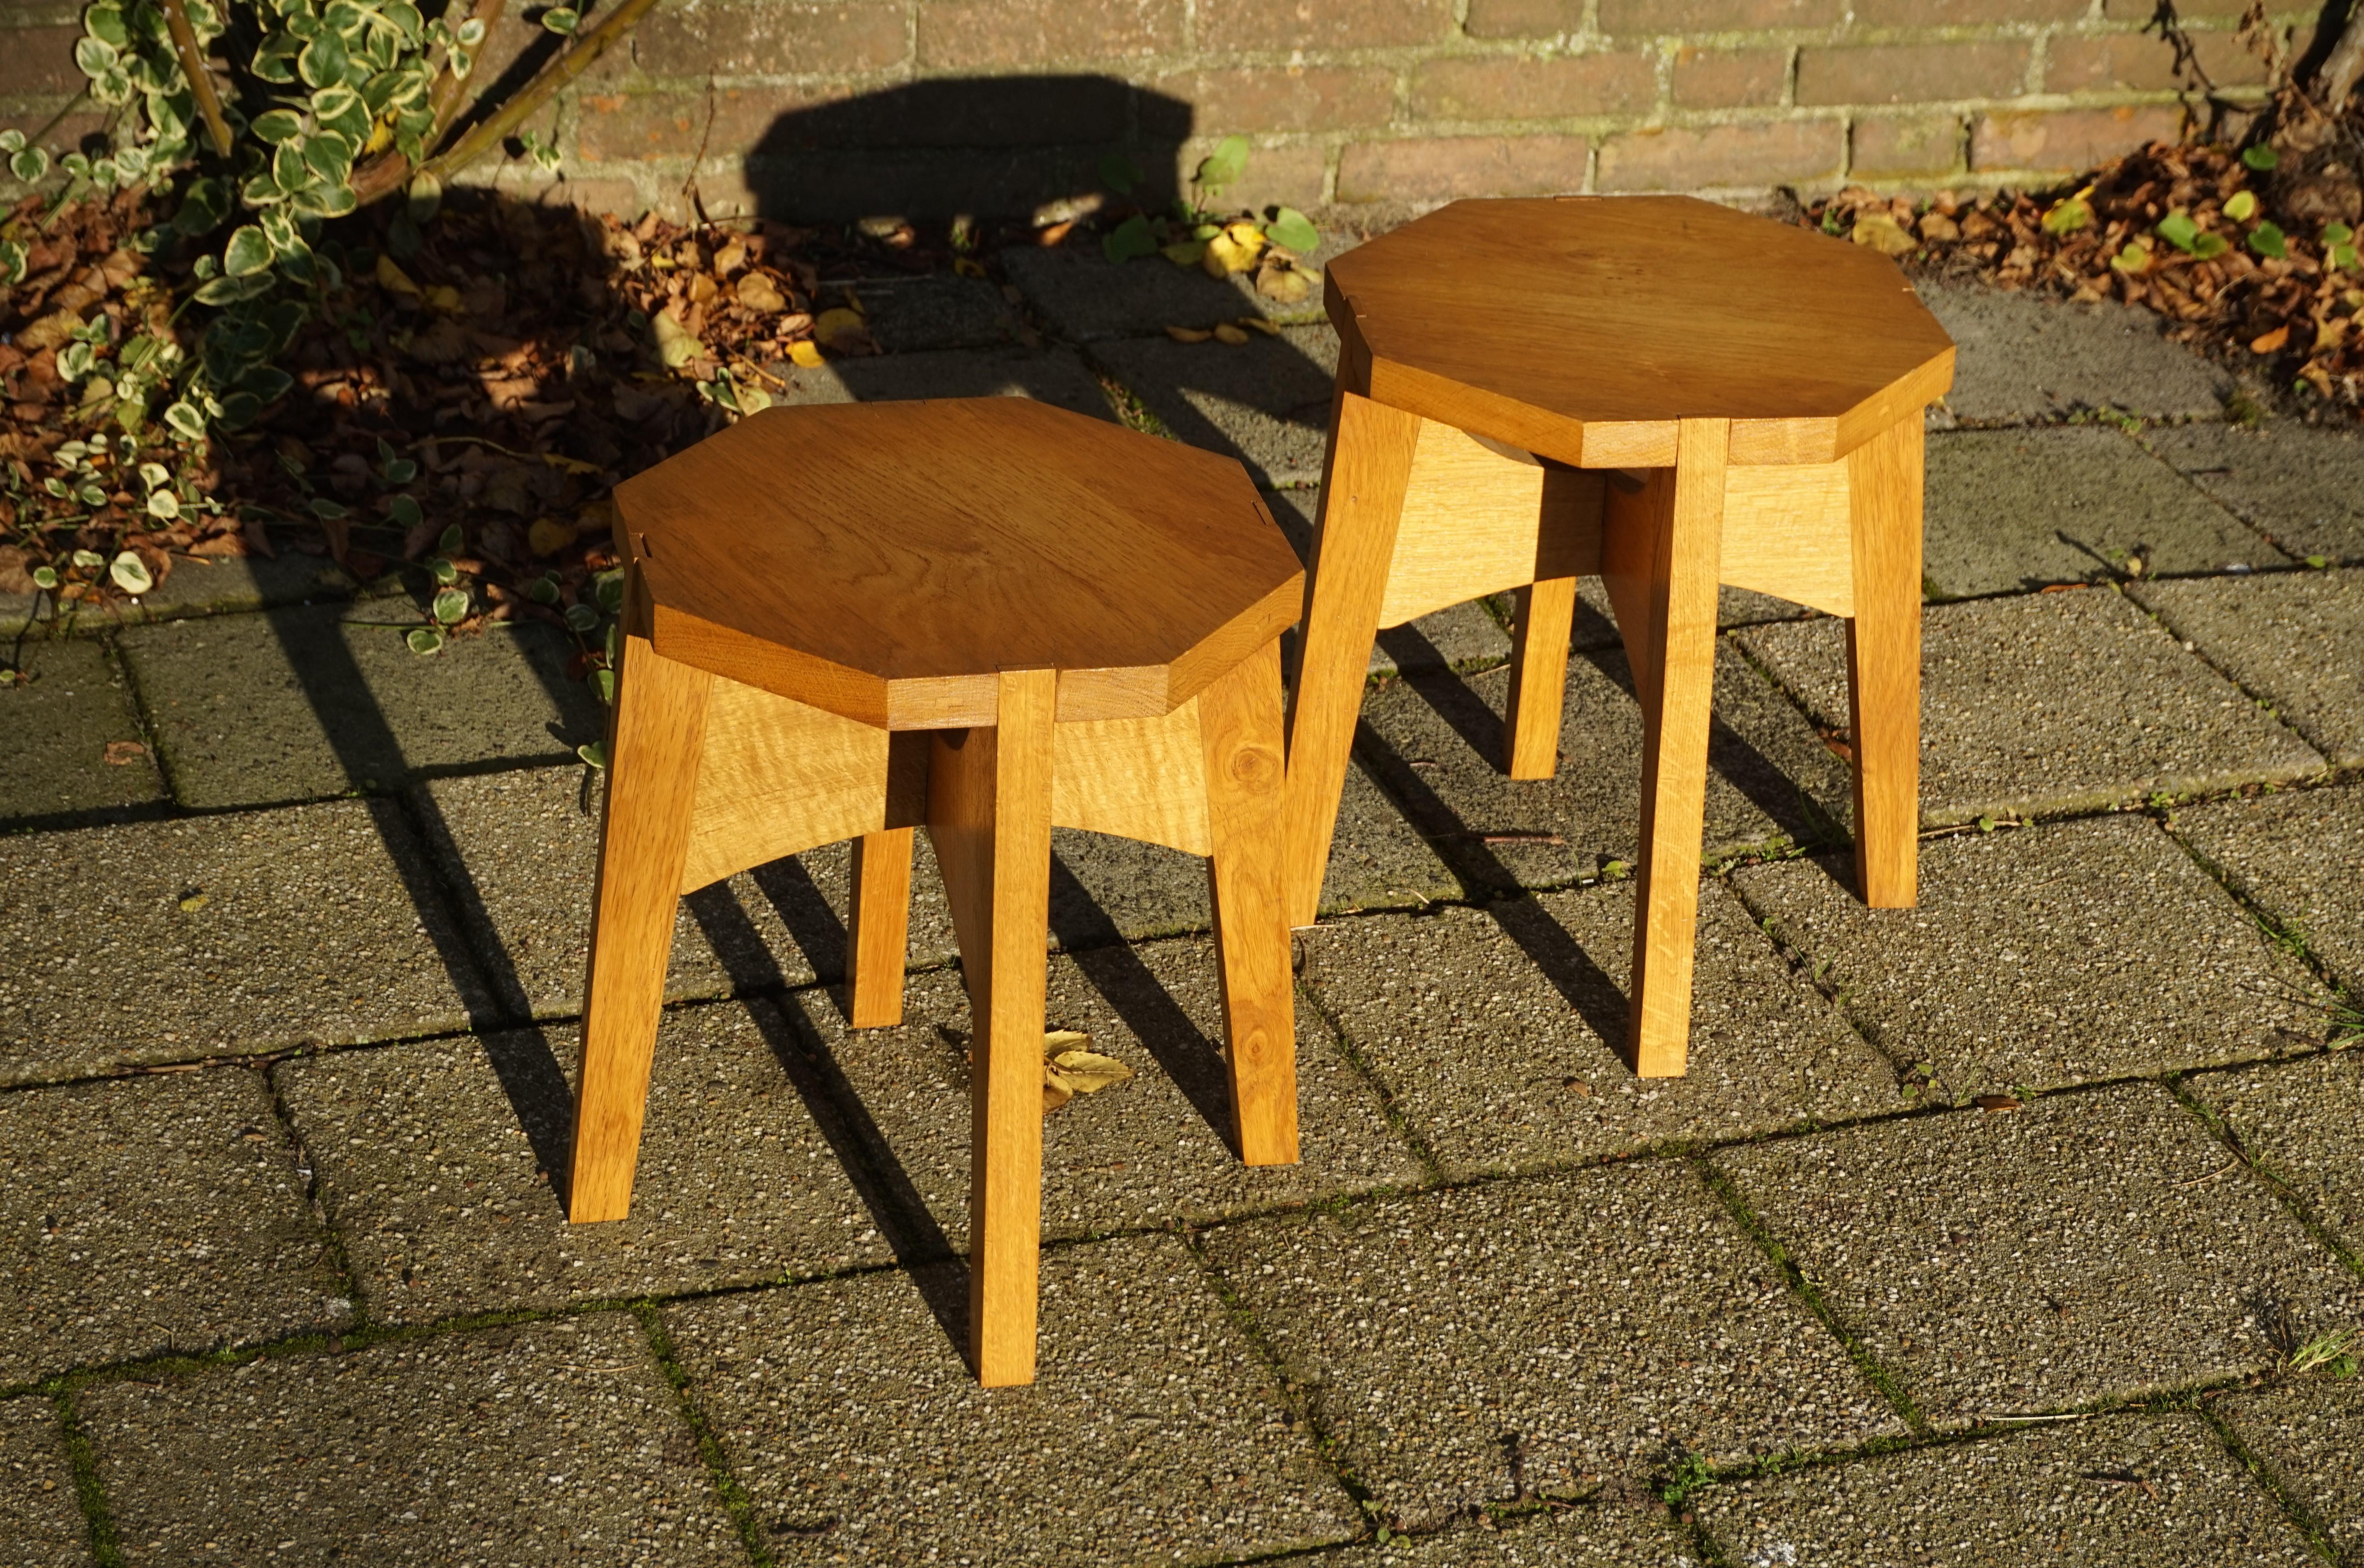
point(927, 107)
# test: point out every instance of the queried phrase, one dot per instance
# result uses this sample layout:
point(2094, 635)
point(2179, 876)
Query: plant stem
point(444, 98)
point(496, 129)
point(201, 81)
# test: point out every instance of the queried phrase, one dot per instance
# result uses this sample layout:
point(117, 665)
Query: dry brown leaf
point(1259, 324)
point(843, 331)
point(730, 258)
point(1234, 250)
point(1188, 334)
point(2271, 341)
point(1227, 333)
point(1996, 1102)
point(1283, 282)
point(1069, 1070)
point(548, 536)
point(757, 292)
point(123, 754)
point(391, 278)
point(1884, 234)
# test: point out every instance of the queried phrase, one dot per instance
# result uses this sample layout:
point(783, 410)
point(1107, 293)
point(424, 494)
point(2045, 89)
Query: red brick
point(1911, 73)
point(1300, 98)
point(599, 195)
point(1748, 78)
point(611, 128)
point(1029, 34)
point(2143, 63)
point(1660, 18)
point(38, 63)
point(1770, 153)
point(771, 41)
point(1524, 18)
point(2069, 141)
point(1442, 169)
point(2230, 10)
point(1962, 13)
point(1289, 176)
point(1321, 24)
point(1503, 87)
point(1903, 146)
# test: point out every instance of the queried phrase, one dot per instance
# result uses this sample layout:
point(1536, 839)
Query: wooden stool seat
point(1660, 392)
point(986, 618)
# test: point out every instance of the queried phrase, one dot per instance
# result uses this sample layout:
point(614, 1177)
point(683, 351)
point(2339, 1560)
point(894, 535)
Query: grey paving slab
point(2085, 1248)
point(2122, 1492)
point(1535, 1338)
point(1595, 619)
point(2300, 856)
point(542, 1443)
point(168, 942)
point(2307, 1432)
point(1057, 376)
point(1377, 858)
point(2305, 1122)
point(75, 751)
point(149, 1214)
point(196, 587)
point(1149, 1151)
point(1153, 1430)
point(2047, 702)
point(2046, 956)
point(1497, 1032)
point(1459, 637)
point(2295, 639)
point(318, 700)
point(1084, 297)
point(916, 314)
point(1436, 741)
point(1617, 1533)
point(2010, 510)
point(2025, 359)
point(2300, 485)
point(40, 1516)
point(441, 1166)
point(1266, 402)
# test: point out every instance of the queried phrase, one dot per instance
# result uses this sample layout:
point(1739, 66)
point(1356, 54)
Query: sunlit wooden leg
point(655, 738)
point(879, 926)
point(1542, 614)
point(1362, 501)
point(989, 818)
point(1884, 661)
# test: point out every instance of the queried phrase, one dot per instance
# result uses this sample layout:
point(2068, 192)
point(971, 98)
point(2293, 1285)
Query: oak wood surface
point(1787, 531)
point(878, 928)
point(1884, 662)
point(1136, 778)
point(1542, 614)
point(778, 777)
point(1480, 518)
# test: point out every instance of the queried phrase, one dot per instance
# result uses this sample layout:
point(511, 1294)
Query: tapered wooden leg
point(879, 927)
point(1659, 556)
point(1884, 661)
point(1240, 730)
point(1362, 501)
point(989, 818)
point(655, 738)
point(1542, 614)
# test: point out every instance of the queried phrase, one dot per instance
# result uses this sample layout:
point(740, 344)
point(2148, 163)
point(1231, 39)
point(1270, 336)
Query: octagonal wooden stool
point(1661, 392)
point(985, 617)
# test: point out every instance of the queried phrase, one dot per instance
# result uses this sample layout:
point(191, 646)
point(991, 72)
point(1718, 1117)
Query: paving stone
point(2300, 485)
point(2295, 639)
point(2029, 360)
point(167, 941)
point(541, 1444)
point(1150, 1152)
point(2010, 510)
point(321, 699)
point(2300, 856)
point(1497, 1032)
point(153, 1215)
point(194, 587)
point(2308, 1432)
point(59, 723)
point(1436, 741)
point(915, 314)
point(1459, 637)
point(1606, 1534)
point(1531, 1339)
point(2305, 1122)
point(2122, 1492)
point(1084, 297)
point(434, 1163)
point(1058, 376)
point(2087, 1247)
point(40, 1516)
point(2046, 956)
point(1152, 1430)
point(2049, 703)
point(1266, 402)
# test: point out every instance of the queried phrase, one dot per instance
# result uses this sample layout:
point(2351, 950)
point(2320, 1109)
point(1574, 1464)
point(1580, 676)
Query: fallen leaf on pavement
point(1188, 334)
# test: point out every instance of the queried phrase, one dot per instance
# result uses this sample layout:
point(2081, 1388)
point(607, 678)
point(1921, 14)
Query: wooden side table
point(1661, 392)
point(986, 618)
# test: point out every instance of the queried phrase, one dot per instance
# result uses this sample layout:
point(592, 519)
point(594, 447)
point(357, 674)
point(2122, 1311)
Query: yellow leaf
point(1188, 334)
point(2271, 341)
point(548, 536)
point(757, 292)
point(2242, 206)
point(1286, 283)
point(807, 354)
point(968, 267)
point(1054, 1097)
point(843, 330)
point(730, 258)
point(1227, 252)
point(1085, 1072)
point(193, 903)
point(390, 276)
point(446, 299)
point(381, 137)
point(676, 344)
point(1227, 333)
point(1185, 252)
point(1883, 234)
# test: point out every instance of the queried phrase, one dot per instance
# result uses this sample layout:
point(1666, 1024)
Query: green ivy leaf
point(106, 23)
point(2241, 207)
point(130, 573)
point(2177, 229)
point(324, 61)
point(247, 252)
point(1293, 230)
point(230, 291)
point(95, 55)
point(2266, 240)
point(2338, 234)
point(1129, 238)
point(424, 640)
point(451, 605)
point(1223, 167)
point(582, 617)
point(30, 165)
point(562, 20)
point(278, 126)
point(425, 199)
point(265, 383)
point(403, 512)
point(2261, 158)
point(594, 755)
point(2208, 246)
point(327, 510)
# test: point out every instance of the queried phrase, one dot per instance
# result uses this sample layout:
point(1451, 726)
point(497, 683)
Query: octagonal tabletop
point(1583, 328)
point(885, 561)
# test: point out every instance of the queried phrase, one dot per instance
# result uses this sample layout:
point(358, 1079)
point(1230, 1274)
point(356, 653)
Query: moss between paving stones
point(441, 1166)
point(1497, 1032)
point(1153, 1430)
point(60, 725)
point(1057, 376)
point(2295, 639)
point(168, 942)
point(1535, 1338)
point(2087, 1248)
point(2300, 485)
point(2307, 1432)
point(2123, 1492)
point(2305, 1122)
point(2025, 359)
point(544, 1444)
point(2010, 510)
point(1436, 741)
point(40, 1521)
point(2046, 956)
point(1607, 1534)
point(153, 1215)
point(2300, 857)
point(1266, 402)
point(2051, 703)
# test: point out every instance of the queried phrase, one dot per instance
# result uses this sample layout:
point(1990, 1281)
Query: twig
point(444, 97)
point(201, 81)
point(492, 131)
point(2210, 1176)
